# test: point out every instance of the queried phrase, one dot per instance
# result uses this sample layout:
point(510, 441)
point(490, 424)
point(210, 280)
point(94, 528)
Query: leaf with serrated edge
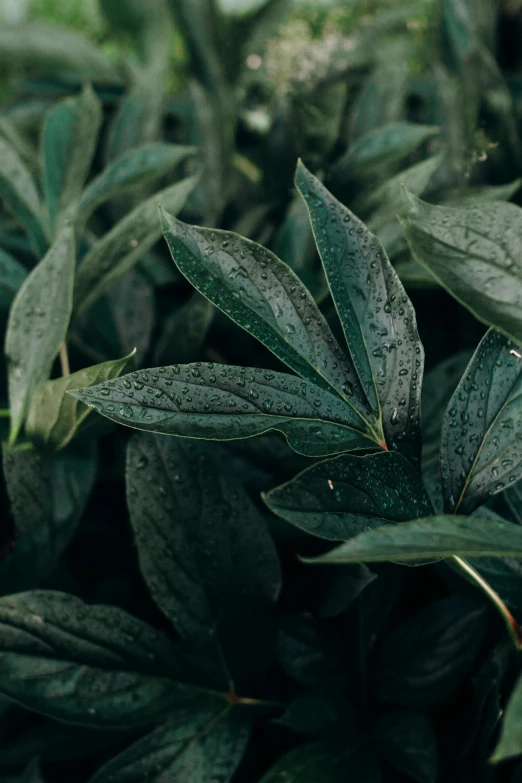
point(218, 402)
point(55, 417)
point(481, 449)
point(474, 252)
point(431, 537)
point(37, 325)
point(204, 742)
point(91, 665)
point(377, 317)
point(341, 497)
point(266, 298)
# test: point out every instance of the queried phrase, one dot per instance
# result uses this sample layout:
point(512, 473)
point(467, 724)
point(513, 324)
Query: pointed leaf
point(41, 311)
point(92, 665)
point(264, 296)
point(474, 252)
point(510, 743)
point(202, 743)
point(341, 497)
point(18, 190)
point(12, 275)
point(69, 141)
point(377, 317)
point(433, 537)
point(132, 168)
point(406, 738)
point(122, 247)
point(480, 450)
point(219, 402)
point(212, 568)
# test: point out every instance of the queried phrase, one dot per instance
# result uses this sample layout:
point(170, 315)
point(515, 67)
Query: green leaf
point(132, 168)
point(185, 331)
point(219, 591)
point(319, 763)
point(385, 199)
point(320, 715)
point(91, 665)
point(433, 537)
point(12, 275)
point(202, 743)
point(69, 141)
point(510, 743)
point(480, 453)
point(218, 402)
point(377, 317)
point(341, 497)
point(37, 325)
point(55, 417)
point(312, 653)
point(122, 247)
point(265, 297)
point(18, 190)
point(47, 494)
point(406, 738)
point(474, 252)
point(427, 657)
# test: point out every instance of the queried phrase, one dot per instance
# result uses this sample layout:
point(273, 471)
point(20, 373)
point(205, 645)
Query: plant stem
point(64, 359)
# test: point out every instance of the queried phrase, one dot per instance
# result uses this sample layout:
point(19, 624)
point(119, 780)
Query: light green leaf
point(218, 402)
point(91, 665)
point(510, 743)
point(12, 275)
point(341, 497)
point(204, 742)
point(377, 317)
point(432, 537)
point(474, 252)
point(37, 325)
point(122, 247)
point(69, 141)
point(55, 417)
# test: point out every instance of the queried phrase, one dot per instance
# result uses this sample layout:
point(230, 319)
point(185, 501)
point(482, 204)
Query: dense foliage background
point(157, 619)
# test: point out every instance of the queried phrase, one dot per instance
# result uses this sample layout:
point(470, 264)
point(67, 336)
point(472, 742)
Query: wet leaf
point(377, 317)
point(201, 743)
point(406, 738)
point(41, 310)
point(55, 417)
point(341, 497)
point(91, 665)
point(218, 402)
point(480, 451)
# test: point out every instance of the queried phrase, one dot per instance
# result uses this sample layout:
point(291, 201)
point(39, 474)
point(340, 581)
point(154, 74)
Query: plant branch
point(64, 359)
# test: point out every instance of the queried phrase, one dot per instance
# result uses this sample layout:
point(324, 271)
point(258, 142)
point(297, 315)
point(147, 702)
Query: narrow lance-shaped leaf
point(377, 316)
point(69, 141)
point(341, 497)
point(481, 450)
point(91, 665)
point(55, 417)
point(474, 252)
point(265, 297)
point(218, 402)
point(218, 588)
point(202, 743)
point(122, 247)
point(37, 325)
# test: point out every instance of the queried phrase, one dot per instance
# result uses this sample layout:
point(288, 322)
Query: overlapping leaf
point(12, 275)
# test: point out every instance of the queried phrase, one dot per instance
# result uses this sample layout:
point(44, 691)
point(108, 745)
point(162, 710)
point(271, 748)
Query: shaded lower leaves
point(406, 738)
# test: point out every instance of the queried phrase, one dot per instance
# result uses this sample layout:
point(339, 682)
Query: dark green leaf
point(320, 714)
point(185, 331)
point(264, 296)
point(474, 252)
point(203, 743)
point(18, 190)
point(12, 275)
point(69, 141)
point(55, 417)
point(510, 743)
point(132, 168)
point(347, 583)
point(433, 537)
point(480, 452)
point(91, 665)
point(48, 495)
point(218, 590)
point(426, 658)
point(122, 247)
point(377, 317)
point(31, 774)
point(312, 653)
point(319, 763)
point(219, 402)
point(41, 310)
point(407, 739)
point(341, 497)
